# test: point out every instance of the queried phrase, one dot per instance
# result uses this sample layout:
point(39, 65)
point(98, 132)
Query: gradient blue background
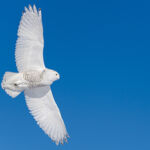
point(101, 50)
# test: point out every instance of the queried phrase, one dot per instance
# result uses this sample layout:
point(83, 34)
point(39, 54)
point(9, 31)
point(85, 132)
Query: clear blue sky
point(101, 50)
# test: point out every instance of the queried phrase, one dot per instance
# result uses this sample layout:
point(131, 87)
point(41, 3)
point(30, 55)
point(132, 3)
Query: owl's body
point(23, 80)
point(18, 82)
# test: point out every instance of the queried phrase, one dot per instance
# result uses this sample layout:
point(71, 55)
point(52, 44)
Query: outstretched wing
point(30, 43)
point(42, 106)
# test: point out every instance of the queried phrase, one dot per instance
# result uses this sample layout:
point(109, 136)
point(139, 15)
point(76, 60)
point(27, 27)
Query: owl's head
point(50, 76)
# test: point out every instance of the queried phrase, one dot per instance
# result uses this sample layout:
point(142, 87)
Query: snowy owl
point(34, 78)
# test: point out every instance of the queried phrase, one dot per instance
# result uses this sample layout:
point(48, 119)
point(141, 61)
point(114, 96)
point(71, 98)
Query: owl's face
point(50, 75)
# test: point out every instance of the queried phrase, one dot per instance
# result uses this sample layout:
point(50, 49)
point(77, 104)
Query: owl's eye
point(57, 75)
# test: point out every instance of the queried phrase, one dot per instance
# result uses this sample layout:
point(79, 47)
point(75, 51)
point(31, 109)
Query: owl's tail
point(9, 84)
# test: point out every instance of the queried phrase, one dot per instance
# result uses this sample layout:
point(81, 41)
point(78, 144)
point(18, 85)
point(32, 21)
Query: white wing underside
point(42, 106)
point(30, 43)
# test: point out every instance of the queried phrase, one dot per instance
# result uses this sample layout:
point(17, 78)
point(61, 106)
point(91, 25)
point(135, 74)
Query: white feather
point(30, 43)
point(11, 93)
point(34, 78)
point(8, 81)
point(42, 106)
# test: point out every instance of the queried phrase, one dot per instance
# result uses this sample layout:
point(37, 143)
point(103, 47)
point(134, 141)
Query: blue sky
point(101, 50)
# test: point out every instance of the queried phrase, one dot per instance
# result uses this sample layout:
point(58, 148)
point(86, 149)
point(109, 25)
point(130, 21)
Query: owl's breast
point(33, 76)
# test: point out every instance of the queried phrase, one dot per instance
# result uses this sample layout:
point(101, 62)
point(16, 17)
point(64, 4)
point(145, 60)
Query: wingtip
point(39, 11)
point(34, 8)
point(67, 135)
point(26, 9)
point(30, 7)
point(66, 140)
point(57, 142)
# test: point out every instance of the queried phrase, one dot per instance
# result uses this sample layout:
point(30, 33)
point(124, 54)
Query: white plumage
point(30, 43)
point(34, 78)
point(42, 106)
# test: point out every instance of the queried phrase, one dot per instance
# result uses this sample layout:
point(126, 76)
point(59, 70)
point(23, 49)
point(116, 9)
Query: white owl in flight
point(34, 78)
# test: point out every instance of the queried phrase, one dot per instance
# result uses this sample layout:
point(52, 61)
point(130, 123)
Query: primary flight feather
point(34, 78)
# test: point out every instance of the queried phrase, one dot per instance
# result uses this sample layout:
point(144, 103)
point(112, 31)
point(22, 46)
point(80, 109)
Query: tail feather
point(11, 93)
point(8, 84)
point(9, 75)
